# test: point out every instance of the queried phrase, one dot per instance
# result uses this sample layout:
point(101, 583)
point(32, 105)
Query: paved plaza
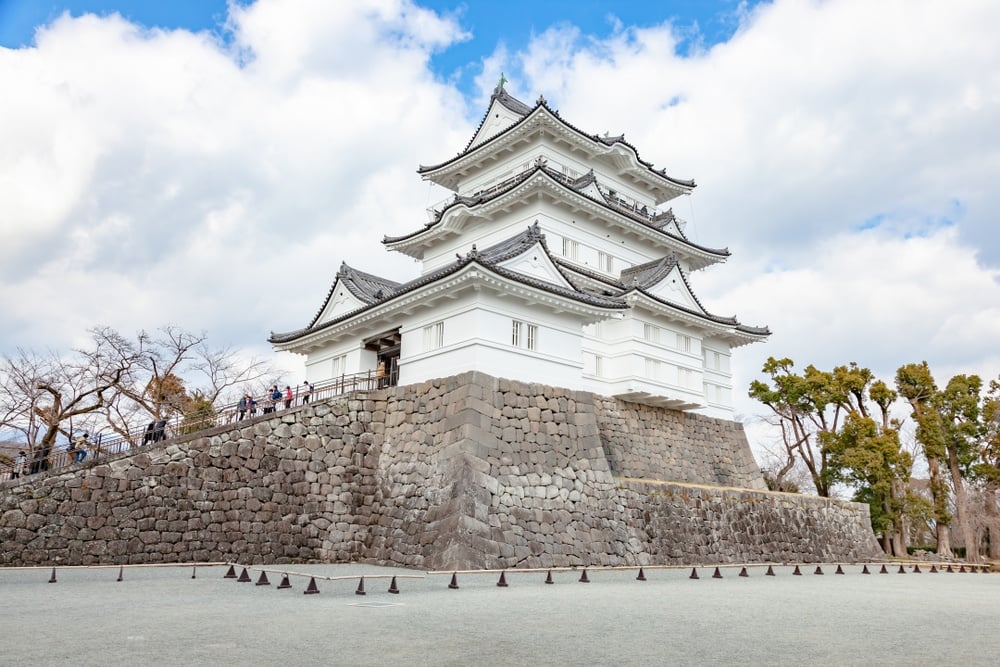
point(160, 615)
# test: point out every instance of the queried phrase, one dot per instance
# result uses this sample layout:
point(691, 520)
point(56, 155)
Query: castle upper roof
point(531, 119)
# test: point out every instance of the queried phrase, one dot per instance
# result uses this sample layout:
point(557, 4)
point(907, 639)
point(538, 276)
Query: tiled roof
point(576, 185)
point(718, 319)
point(489, 259)
point(519, 107)
point(365, 286)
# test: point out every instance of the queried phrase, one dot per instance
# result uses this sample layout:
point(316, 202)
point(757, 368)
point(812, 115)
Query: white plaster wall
point(556, 222)
point(477, 336)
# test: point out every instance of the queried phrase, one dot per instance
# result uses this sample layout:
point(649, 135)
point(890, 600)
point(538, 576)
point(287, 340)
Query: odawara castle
point(555, 261)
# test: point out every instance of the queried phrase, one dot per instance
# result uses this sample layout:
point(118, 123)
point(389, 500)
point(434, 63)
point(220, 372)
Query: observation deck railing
point(139, 437)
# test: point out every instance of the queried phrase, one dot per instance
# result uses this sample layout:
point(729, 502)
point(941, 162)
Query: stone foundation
point(464, 472)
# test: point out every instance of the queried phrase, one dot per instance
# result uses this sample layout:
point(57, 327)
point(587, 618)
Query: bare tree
point(178, 374)
point(43, 393)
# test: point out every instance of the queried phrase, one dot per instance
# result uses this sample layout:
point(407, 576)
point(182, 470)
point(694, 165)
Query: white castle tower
point(554, 262)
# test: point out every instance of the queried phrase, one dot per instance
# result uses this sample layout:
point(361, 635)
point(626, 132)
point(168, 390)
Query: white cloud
point(165, 177)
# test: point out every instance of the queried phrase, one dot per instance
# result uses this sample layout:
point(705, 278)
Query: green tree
point(915, 383)
point(866, 454)
point(837, 422)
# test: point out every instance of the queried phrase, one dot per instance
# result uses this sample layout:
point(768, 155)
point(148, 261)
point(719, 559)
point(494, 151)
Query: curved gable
point(340, 302)
point(536, 263)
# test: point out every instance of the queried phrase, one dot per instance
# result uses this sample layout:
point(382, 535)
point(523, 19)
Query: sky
point(210, 165)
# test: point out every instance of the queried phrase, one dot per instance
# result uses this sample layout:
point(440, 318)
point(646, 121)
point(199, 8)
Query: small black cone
point(916, 569)
point(231, 574)
point(311, 588)
point(717, 574)
point(864, 570)
point(548, 578)
point(694, 573)
point(949, 568)
point(797, 572)
point(454, 580)
point(244, 576)
point(284, 583)
point(961, 568)
point(392, 587)
point(770, 571)
point(840, 570)
point(262, 580)
point(641, 576)
point(901, 570)
point(883, 570)
point(744, 573)
point(52, 579)
point(819, 570)
point(361, 587)
point(194, 569)
point(583, 577)
point(502, 581)
point(120, 572)
point(933, 569)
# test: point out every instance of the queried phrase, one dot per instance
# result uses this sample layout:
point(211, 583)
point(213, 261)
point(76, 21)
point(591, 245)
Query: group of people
point(76, 452)
point(155, 432)
point(271, 400)
point(79, 447)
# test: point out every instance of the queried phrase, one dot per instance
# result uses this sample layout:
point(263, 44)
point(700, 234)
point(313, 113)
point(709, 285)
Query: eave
point(727, 328)
point(454, 218)
point(472, 275)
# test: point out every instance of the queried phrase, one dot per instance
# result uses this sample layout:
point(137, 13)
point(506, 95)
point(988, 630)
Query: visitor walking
point(19, 462)
point(81, 445)
point(241, 407)
point(275, 398)
point(307, 390)
point(289, 397)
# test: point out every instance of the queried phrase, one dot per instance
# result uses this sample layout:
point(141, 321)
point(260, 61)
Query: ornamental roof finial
point(502, 81)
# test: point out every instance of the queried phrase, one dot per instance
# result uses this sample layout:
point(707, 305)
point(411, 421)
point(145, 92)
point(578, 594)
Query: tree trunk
point(944, 540)
point(962, 508)
point(939, 498)
point(992, 520)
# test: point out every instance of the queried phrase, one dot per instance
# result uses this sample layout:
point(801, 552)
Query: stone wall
point(467, 471)
point(652, 443)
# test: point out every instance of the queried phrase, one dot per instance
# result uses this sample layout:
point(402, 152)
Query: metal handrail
point(229, 414)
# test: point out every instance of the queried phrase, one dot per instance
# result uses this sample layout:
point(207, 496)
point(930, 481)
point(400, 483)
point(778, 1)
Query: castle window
point(683, 343)
point(339, 365)
point(524, 335)
point(605, 262)
point(651, 332)
point(652, 369)
point(570, 248)
point(434, 336)
point(684, 377)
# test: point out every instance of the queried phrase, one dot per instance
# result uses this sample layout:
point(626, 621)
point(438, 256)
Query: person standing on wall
point(289, 397)
point(81, 445)
point(307, 390)
point(19, 462)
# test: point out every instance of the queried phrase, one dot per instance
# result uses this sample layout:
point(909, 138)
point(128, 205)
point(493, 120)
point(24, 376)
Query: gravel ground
point(162, 616)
